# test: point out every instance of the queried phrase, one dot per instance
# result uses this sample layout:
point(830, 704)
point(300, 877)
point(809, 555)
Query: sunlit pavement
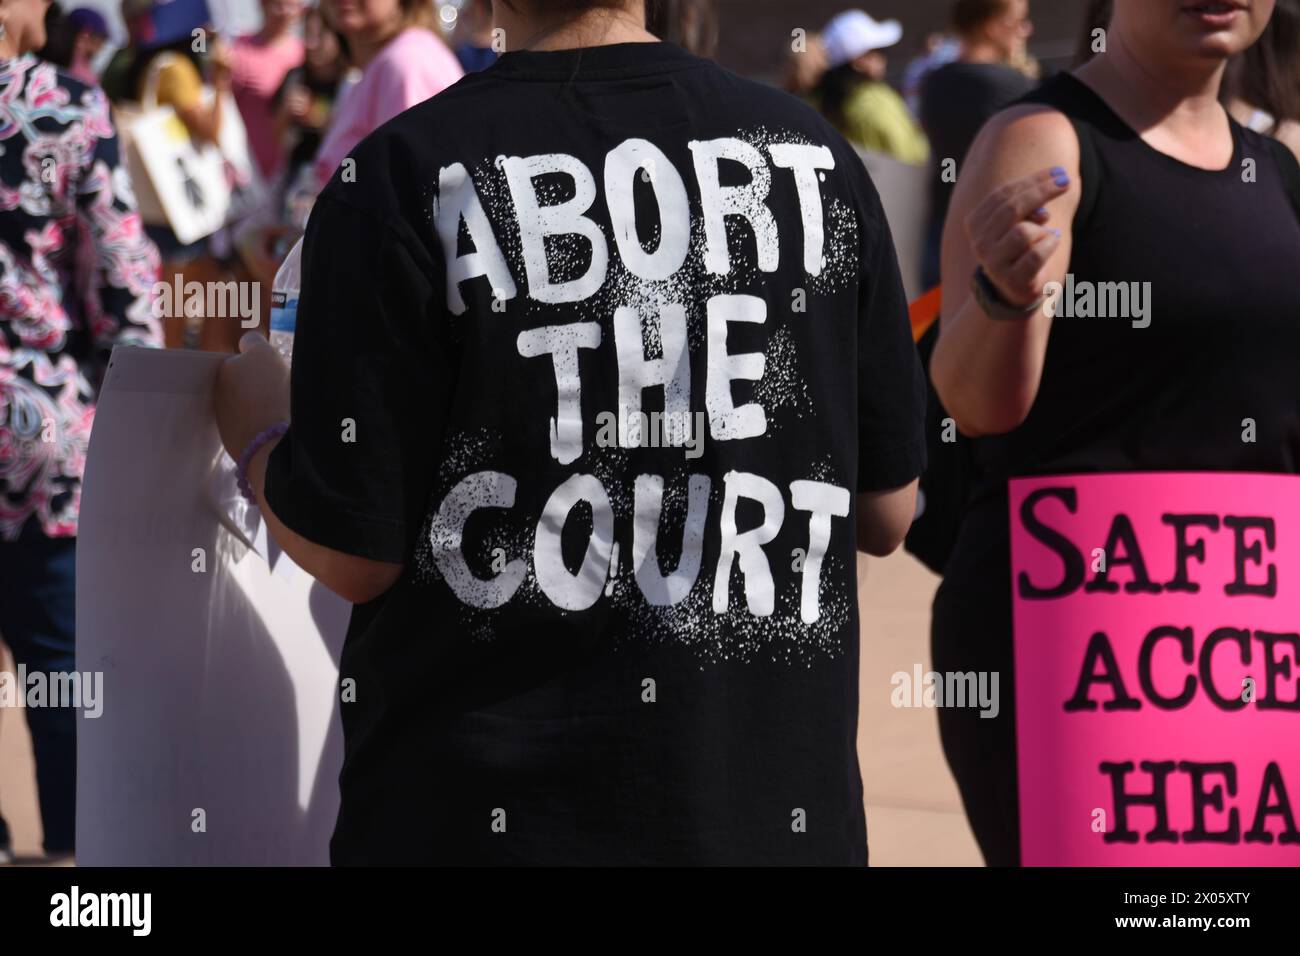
point(914, 815)
point(17, 780)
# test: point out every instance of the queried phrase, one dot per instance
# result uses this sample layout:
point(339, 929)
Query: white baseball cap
point(853, 33)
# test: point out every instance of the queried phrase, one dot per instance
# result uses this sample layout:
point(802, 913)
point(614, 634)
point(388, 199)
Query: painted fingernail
point(1041, 213)
point(1063, 180)
point(1057, 172)
point(1055, 232)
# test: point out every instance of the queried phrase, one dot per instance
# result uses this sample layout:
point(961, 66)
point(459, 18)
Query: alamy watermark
point(1076, 299)
point(948, 689)
point(84, 691)
point(133, 911)
point(627, 429)
point(213, 300)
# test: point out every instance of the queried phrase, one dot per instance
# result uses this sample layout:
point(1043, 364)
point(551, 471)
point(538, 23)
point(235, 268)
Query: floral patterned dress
point(76, 276)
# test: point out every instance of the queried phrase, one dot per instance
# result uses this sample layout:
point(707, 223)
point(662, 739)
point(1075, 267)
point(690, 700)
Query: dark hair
point(60, 36)
point(692, 24)
point(1267, 76)
point(833, 89)
point(969, 15)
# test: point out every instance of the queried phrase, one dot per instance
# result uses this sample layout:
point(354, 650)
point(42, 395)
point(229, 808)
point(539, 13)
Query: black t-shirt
point(620, 636)
point(957, 100)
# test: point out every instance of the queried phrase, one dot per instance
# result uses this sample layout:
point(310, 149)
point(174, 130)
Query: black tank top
point(1221, 253)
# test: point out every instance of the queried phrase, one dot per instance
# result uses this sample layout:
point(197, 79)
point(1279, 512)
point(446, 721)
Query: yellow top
point(876, 118)
point(179, 84)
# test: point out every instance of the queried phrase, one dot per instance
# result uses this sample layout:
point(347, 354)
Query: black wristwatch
point(994, 305)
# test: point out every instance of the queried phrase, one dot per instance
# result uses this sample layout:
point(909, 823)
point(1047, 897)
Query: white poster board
point(219, 666)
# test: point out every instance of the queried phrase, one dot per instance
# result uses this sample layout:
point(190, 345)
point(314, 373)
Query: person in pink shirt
point(403, 62)
point(258, 65)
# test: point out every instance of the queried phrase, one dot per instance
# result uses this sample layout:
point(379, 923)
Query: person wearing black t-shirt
point(1126, 170)
point(602, 371)
point(960, 97)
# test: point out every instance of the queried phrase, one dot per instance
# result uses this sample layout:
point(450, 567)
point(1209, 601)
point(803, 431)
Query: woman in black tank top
point(1108, 176)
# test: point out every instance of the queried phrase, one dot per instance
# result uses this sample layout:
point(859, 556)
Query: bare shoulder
point(1019, 142)
point(1028, 136)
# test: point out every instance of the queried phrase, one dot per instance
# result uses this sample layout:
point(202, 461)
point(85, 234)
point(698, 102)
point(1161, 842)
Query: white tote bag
point(249, 191)
point(178, 183)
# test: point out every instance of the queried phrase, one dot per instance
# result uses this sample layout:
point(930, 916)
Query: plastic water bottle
point(284, 302)
point(300, 197)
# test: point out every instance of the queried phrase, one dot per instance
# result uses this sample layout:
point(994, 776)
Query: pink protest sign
point(1157, 669)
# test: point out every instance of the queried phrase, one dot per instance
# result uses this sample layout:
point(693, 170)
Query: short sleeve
point(891, 382)
point(403, 81)
point(179, 84)
point(395, 91)
point(369, 390)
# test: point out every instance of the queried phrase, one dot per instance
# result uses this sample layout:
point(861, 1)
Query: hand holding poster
point(1158, 669)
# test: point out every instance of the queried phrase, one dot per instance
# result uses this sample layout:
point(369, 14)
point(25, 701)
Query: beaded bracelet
point(246, 459)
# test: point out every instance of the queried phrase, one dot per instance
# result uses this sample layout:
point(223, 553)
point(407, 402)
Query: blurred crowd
point(314, 80)
point(303, 90)
point(979, 65)
point(299, 93)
